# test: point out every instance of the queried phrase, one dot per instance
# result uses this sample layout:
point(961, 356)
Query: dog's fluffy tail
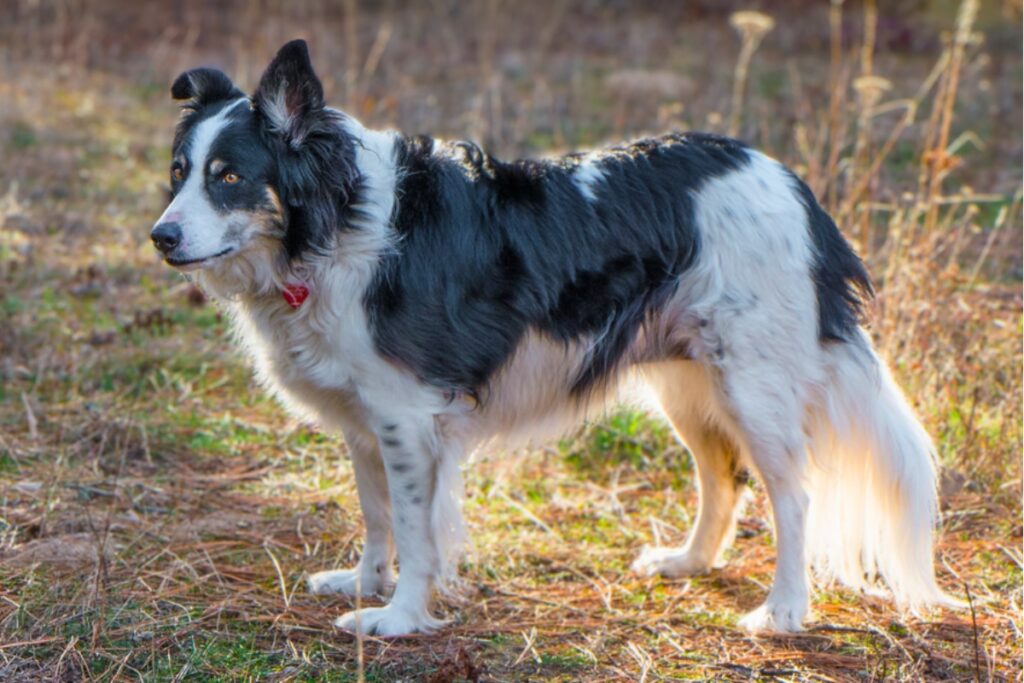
point(873, 503)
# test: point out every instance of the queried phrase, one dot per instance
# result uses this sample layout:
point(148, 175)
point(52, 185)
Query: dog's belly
point(530, 399)
point(338, 380)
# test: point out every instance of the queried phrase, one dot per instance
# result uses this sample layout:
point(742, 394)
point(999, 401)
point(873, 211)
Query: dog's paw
point(387, 622)
point(775, 617)
point(670, 562)
point(349, 582)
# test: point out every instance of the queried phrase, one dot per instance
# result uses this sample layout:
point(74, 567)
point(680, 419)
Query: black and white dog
point(425, 299)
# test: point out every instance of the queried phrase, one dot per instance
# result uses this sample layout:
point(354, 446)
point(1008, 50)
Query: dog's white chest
point(314, 358)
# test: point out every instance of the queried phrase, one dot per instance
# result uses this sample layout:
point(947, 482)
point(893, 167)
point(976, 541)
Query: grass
point(158, 512)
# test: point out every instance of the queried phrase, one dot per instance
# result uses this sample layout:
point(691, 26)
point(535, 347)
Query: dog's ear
point(204, 86)
point(290, 96)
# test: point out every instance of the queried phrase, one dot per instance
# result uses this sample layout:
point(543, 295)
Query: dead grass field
point(158, 512)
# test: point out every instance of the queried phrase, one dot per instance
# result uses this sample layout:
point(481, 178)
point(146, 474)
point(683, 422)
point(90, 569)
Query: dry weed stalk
point(752, 27)
point(922, 233)
point(834, 129)
point(937, 160)
point(866, 162)
point(867, 52)
point(351, 9)
point(870, 90)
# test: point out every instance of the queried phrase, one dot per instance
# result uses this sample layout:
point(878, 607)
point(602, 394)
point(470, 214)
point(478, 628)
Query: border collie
point(426, 299)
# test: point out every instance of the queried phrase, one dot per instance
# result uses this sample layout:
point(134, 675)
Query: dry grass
point(157, 513)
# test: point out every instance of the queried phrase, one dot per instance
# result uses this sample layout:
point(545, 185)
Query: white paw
point(670, 562)
point(776, 617)
point(350, 582)
point(386, 622)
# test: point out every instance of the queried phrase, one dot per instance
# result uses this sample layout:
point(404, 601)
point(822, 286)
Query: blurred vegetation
point(149, 492)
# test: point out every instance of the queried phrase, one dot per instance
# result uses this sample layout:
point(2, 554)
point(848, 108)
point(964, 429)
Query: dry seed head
point(750, 24)
point(870, 88)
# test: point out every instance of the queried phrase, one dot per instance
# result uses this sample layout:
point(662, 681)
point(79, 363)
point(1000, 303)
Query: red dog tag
point(294, 294)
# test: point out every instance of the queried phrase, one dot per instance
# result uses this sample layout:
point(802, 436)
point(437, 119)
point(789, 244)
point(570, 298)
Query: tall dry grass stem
point(835, 128)
point(752, 27)
point(351, 9)
point(867, 53)
point(937, 158)
point(869, 90)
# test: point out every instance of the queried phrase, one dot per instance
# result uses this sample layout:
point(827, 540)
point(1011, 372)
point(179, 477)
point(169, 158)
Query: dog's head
point(271, 174)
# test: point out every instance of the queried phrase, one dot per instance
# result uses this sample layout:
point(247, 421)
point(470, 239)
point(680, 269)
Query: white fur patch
point(205, 134)
point(588, 175)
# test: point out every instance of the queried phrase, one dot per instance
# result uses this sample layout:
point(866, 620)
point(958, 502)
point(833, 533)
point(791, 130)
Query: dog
point(426, 299)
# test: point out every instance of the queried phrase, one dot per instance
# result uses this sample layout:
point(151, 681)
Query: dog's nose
point(166, 236)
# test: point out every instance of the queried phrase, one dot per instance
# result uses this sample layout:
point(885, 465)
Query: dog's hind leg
point(768, 409)
point(687, 399)
point(374, 574)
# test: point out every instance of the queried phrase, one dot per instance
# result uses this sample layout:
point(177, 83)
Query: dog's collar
point(295, 293)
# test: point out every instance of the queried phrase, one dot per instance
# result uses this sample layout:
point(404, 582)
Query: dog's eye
point(231, 178)
point(178, 173)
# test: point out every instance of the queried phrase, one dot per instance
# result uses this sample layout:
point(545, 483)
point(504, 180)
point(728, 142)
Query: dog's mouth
point(189, 264)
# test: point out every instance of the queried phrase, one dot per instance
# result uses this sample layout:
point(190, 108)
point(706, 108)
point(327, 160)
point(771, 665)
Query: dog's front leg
point(410, 451)
point(373, 575)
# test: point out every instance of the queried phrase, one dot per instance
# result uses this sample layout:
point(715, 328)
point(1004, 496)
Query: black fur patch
point(289, 83)
point(492, 249)
point(840, 278)
point(317, 178)
point(203, 87)
point(239, 149)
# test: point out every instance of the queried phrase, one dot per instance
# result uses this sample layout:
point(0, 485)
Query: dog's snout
point(166, 236)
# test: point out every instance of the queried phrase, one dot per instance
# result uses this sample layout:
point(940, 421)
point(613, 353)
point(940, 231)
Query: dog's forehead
point(206, 126)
